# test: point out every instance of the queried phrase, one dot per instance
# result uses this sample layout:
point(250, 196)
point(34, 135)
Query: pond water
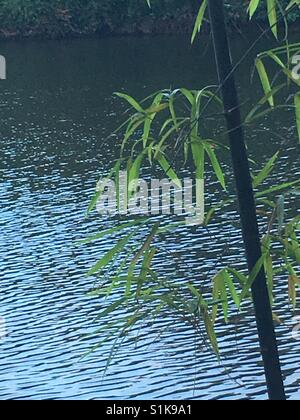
point(57, 110)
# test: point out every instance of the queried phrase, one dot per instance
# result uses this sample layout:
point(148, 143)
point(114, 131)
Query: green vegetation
point(145, 294)
point(172, 120)
point(60, 18)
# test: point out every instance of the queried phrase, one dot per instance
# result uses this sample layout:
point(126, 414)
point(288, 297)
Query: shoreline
point(65, 19)
point(145, 27)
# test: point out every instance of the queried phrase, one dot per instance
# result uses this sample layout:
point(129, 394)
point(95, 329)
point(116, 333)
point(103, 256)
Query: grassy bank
point(62, 18)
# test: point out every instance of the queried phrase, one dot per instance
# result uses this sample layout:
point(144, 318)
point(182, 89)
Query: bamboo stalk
point(247, 206)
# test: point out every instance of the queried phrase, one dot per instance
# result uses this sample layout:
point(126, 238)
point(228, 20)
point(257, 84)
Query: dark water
point(56, 112)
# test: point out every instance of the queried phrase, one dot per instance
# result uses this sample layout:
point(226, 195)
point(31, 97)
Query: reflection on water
point(57, 110)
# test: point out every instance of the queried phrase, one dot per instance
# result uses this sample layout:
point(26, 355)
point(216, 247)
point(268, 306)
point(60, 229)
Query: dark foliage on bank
point(61, 18)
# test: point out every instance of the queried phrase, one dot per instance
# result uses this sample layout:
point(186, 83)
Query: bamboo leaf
point(151, 112)
point(93, 202)
point(297, 107)
point(280, 212)
point(253, 114)
point(265, 172)
point(216, 165)
point(272, 16)
point(199, 158)
point(131, 101)
point(276, 319)
point(133, 175)
point(209, 326)
point(239, 276)
point(292, 291)
point(231, 288)
point(146, 244)
point(99, 192)
point(220, 294)
point(253, 7)
point(131, 128)
point(109, 256)
point(168, 169)
point(111, 308)
point(215, 296)
point(270, 275)
point(111, 231)
point(188, 94)
point(168, 134)
point(149, 255)
point(194, 291)
point(199, 20)
point(277, 188)
point(292, 3)
point(172, 112)
point(265, 81)
point(256, 270)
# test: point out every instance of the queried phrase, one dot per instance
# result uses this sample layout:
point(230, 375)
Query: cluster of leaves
point(146, 296)
point(273, 11)
point(143, 288)
point(171, 121)
point(179, 126)
point(283, 57)
point(287, 258)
